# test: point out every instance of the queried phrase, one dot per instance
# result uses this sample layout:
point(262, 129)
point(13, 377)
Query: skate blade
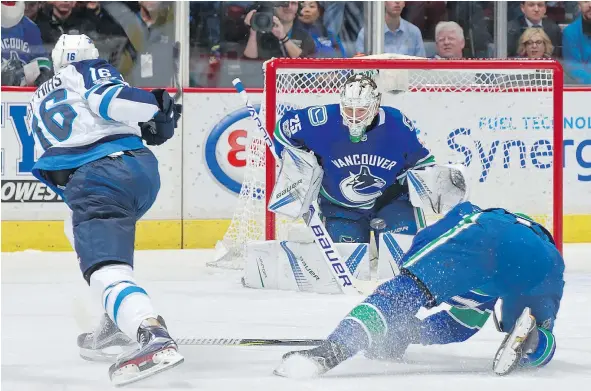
point(109, 354)
point(164, 360)
point(299, 367)
point(509, 354)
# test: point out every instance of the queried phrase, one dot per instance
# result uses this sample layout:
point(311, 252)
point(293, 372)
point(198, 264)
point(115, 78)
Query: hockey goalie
point(368, 170)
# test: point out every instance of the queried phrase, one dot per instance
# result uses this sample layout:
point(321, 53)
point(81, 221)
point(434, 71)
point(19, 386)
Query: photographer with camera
point(272, 33)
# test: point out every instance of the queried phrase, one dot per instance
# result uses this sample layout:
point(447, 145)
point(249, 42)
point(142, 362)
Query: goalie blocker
point(298, 183)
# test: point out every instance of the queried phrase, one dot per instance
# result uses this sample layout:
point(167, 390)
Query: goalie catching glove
point(297, 185)
point(438, 188)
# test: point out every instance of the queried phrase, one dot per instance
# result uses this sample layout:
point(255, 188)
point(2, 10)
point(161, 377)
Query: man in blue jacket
point(576, 42)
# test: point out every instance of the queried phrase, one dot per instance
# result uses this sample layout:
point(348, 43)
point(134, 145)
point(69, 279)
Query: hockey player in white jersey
point(88, 125)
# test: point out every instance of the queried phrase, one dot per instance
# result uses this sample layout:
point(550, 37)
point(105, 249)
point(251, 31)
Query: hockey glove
point(161, 128)
point(44, 75)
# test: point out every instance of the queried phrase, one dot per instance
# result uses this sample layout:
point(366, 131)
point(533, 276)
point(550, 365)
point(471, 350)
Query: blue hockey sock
point(389, 311)
point(543, 353)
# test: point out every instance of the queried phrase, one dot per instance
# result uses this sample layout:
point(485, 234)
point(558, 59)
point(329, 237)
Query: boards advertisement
point(506, 142)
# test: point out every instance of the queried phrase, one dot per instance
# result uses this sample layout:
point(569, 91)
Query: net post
point(557, 164)
point(270, 97)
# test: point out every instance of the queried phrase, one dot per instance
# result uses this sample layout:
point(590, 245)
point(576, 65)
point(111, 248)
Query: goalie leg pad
point(392, 248)
point(299, 266)
point(400, 217)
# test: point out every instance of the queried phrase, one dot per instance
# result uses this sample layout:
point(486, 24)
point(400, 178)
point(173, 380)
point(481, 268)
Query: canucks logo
point(11, 62)
point(361, 187)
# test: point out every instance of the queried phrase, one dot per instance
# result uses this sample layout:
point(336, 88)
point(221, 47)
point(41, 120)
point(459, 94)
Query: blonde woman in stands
point(534, 43)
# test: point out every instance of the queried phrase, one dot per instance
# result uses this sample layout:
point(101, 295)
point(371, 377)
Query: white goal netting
point(496, 117)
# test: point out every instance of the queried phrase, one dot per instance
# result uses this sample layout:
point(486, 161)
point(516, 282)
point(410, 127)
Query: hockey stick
point(341, 273)
point(186, 341)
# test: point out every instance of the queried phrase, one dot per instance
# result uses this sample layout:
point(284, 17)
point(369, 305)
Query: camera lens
point(262, 21)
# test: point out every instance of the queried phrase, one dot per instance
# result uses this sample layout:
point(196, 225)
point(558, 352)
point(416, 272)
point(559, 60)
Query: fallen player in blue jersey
point(480, 255)
point(365, 151)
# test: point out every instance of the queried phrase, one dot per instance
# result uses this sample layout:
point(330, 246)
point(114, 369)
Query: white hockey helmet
point(72, 48)
point(12, 13)
point(360, 101)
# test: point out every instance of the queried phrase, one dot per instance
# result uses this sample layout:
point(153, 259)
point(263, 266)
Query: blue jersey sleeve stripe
point(102, 89)
point(98, 86)
point(104, 106)
point(92, 89)
point(137, 95)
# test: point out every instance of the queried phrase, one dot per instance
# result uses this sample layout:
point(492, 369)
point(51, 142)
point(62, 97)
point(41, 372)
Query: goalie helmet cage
point(495, 116)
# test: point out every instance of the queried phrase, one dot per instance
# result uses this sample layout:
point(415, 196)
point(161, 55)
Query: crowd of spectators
point(232, 38)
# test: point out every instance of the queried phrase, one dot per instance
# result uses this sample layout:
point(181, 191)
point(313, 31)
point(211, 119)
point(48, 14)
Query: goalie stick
point(339, 270)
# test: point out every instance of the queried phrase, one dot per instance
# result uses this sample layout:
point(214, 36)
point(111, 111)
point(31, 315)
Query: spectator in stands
point(401, 37)
point(426, 15)
point(32, 9)
point(149, 59)
point(533, 16)
point(344, 18)
point(535, 43)
point(477, 20)
point(577, 46)
point(62, 17)
point(24, 60)
point(328, 44)
point(449, 40)
point(285, 39)
point(106, 24)
point(109, 37)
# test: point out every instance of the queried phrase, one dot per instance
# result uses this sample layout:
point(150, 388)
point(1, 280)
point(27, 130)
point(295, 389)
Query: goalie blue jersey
point(22, 42)
point(355, 174)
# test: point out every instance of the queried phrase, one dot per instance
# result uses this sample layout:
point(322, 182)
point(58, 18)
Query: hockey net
point(495, 116)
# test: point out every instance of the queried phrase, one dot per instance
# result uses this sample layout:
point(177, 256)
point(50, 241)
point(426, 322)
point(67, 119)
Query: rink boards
point(505, 139)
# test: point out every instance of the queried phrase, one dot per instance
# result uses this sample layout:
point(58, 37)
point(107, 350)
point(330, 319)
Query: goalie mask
point(72, 48)
point(360, 101)
point(12, 13)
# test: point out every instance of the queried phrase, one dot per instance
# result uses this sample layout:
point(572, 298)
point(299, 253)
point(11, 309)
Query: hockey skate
point(157, 352)
point(105, 343)
point(516, 344)
point(311, 363)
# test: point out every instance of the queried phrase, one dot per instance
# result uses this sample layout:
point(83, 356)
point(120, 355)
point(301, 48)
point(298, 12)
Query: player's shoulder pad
point(306, 119)
point(395, 115)
point(322, 115)
point(97, 71)
point(292, 122)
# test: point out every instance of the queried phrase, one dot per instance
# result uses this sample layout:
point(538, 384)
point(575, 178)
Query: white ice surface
point(39, 332)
